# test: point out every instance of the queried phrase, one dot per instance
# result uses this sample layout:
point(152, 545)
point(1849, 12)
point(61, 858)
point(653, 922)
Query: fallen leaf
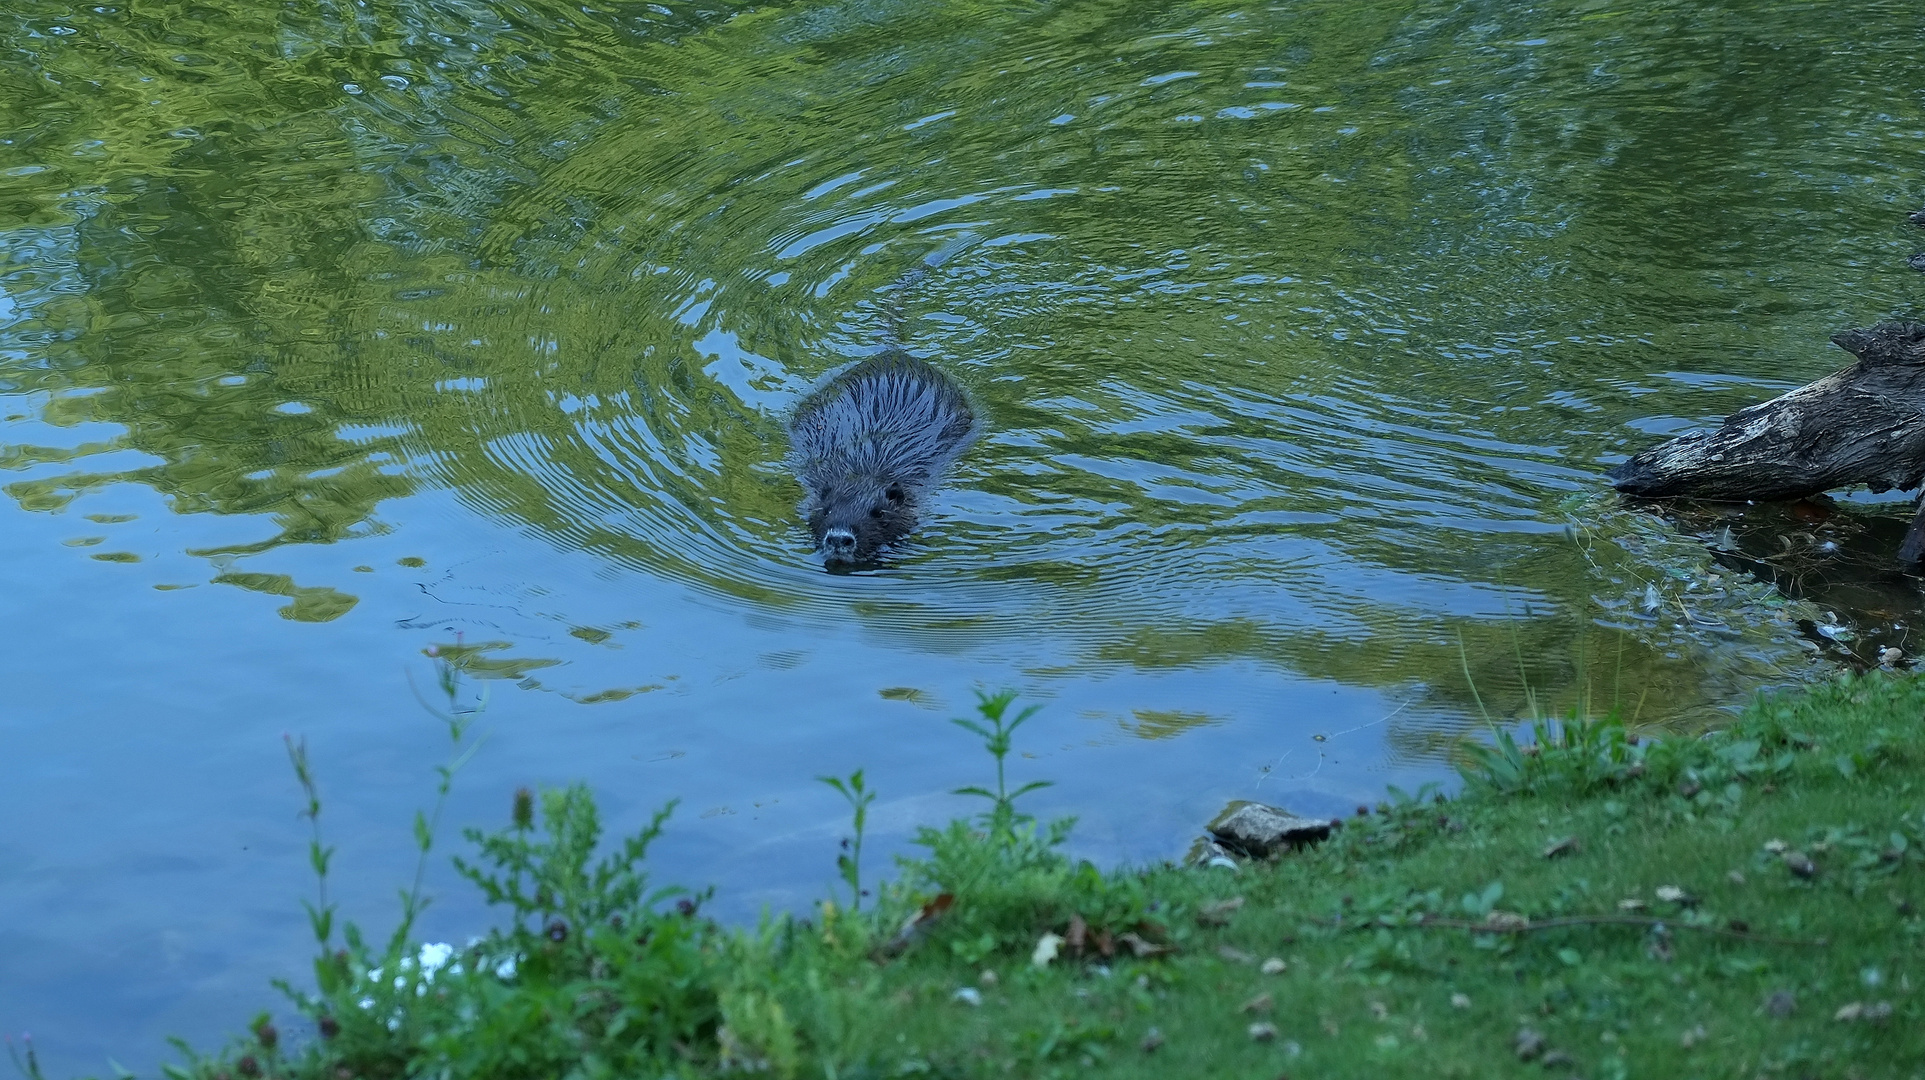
point(1139, 946)
point(1219, 912)
point(1876, 1013)
point(1671, 894)
point(1259, 1004)
point(1631, 904)
point(1506, 920)
point(1274, 966)
point(1777, 847)
point(1736, 877)
point(1046, 948)
point(915, 925)
point(1566, 846)
point(1263, 1032)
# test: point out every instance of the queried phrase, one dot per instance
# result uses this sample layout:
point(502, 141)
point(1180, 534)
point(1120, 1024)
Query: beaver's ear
point(893, 493)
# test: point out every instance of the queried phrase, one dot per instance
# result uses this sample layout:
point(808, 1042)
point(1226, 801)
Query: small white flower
point(435, 956)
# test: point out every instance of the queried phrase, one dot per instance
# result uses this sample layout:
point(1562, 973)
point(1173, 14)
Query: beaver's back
point(893, 417)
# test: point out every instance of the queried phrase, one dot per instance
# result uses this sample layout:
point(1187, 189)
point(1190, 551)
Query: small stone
point(1529, 1044)
point(988, 978)
point(1847, 1013)
point(1555, 1059)
point(1207, 852)
point(1736, 877)
point(1671, 894)
point(1274, 966)
point(1460, 1001)
point(1800, 864)
point(1777, 847)
point(1263, 1032)
point(1889, 656)
point(1631, 903)
point(1262, 1003)
point(1258, 830)
point(1780, 1004)
point(1692, 1037)
point(1917, 262)
point(968, 995)
point(1234, 955)
point(1151, 1040)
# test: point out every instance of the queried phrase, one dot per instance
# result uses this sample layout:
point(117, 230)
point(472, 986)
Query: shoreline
point(1745, 901)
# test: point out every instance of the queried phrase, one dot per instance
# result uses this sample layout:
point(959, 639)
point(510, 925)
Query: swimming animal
point(870, 446)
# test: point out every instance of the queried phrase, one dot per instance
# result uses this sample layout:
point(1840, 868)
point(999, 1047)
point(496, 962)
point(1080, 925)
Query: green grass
point(1412, 942)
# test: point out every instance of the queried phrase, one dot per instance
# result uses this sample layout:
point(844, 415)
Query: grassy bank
point(1747, 903)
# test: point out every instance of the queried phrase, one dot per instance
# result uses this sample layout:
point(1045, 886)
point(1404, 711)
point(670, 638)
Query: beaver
point(868, 448)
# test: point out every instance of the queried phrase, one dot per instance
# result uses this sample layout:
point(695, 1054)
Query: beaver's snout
point(839, 546)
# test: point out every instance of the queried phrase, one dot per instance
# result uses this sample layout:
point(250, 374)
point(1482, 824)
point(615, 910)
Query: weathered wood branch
point(1862, 425)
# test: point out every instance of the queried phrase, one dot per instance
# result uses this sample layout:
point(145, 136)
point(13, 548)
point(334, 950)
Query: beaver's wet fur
point(870, 446)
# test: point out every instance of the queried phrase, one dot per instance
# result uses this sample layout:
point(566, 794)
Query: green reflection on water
point(1298, 325)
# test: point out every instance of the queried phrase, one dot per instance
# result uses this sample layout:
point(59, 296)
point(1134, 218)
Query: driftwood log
point(1862, 425)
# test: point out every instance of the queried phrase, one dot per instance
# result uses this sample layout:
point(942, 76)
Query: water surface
point(1304, 332)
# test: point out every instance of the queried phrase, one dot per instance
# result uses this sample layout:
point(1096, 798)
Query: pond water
point(335, 332)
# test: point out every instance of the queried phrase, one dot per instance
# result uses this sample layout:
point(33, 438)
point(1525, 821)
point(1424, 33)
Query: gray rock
point(1257, 830)
point(1207, 852)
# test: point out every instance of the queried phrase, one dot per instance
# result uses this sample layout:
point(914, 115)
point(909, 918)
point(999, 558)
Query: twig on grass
point(1522, 925)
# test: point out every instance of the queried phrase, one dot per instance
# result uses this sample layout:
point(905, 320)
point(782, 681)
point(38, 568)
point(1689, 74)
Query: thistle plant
point(995, 729)
point(458, 718)
point(849, 862)
point(320, 913)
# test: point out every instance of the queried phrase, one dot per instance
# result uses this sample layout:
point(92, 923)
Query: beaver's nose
point(839, 544)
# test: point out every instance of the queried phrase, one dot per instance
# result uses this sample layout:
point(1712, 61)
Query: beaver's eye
point(893, 493)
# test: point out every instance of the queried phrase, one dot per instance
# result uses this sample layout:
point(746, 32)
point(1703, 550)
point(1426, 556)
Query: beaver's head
point(855, 519)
